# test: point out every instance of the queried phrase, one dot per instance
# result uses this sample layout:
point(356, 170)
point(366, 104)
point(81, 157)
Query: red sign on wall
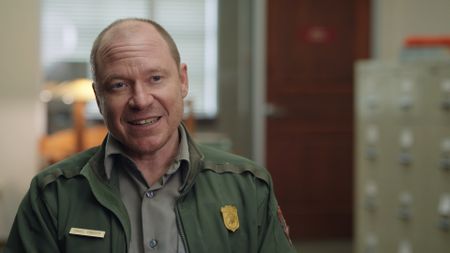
point(317, 34)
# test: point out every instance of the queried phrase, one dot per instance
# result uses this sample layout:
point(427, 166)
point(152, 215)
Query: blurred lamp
point(77, 92)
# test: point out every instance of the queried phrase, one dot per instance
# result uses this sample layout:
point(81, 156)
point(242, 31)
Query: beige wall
point(397, 19)
point(20, 110)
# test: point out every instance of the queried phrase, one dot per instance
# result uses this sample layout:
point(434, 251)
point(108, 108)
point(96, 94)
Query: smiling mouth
point(144, 122)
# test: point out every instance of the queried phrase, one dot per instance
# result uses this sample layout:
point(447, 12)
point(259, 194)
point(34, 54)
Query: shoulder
point(223, 162)
point(67, 168)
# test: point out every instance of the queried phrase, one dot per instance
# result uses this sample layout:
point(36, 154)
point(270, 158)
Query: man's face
point(140, 89)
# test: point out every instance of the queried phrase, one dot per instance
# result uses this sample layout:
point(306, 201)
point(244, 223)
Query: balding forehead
point(127, 29)
point(121, 34)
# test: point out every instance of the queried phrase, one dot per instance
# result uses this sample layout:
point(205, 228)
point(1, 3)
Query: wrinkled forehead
point(127, 34)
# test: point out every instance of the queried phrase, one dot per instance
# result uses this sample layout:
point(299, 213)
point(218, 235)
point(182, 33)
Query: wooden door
point(312, 47)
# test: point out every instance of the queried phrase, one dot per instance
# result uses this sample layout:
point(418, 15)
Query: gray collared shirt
point(151, 208)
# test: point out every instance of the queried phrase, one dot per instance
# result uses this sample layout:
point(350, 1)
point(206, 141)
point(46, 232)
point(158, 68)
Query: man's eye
point(118, 85)
point(156, 78)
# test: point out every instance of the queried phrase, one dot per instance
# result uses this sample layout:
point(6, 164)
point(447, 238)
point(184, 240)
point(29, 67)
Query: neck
point(154, 166)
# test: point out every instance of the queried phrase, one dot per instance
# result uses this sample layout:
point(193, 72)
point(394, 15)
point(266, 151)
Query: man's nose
point(141, 97)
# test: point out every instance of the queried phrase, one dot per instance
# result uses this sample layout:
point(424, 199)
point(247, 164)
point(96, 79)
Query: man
point(148, 187)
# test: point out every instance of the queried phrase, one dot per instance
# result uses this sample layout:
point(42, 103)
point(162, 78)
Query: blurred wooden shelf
point(62, 144)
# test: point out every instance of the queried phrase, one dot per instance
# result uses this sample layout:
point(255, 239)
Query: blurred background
point(347, 103)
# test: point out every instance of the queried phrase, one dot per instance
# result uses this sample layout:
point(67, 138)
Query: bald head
point(125, 28)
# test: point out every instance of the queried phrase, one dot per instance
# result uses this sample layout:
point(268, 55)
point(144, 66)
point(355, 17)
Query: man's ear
point(96, 97)
point(184, 80)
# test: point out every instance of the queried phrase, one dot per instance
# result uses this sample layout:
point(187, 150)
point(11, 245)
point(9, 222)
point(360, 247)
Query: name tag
point(87, 232)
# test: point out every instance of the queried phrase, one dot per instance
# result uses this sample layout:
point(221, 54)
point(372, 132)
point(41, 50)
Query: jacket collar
point(94, 170)
point(106, 191)
point(196, 159)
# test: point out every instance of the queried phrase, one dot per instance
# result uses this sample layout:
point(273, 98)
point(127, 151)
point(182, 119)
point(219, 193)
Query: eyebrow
point(114, 76)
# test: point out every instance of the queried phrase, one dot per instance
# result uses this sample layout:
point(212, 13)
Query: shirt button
point(150, 194)
point(153, 243)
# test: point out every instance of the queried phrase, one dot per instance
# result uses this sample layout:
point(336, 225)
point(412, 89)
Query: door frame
point(259, 82)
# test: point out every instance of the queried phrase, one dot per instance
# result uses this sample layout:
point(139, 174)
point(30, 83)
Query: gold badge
point(230, 217)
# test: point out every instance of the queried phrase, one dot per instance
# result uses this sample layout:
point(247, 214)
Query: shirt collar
point(114, 148)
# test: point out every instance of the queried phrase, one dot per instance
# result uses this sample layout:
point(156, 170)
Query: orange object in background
point(59, 145)
point(427, 41)
point(189, 119)
point(62, 144)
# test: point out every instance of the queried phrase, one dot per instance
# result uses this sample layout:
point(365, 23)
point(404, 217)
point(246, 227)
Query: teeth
point(145, 121)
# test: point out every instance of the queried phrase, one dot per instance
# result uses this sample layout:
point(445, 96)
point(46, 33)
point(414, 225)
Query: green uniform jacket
point(76, 194)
